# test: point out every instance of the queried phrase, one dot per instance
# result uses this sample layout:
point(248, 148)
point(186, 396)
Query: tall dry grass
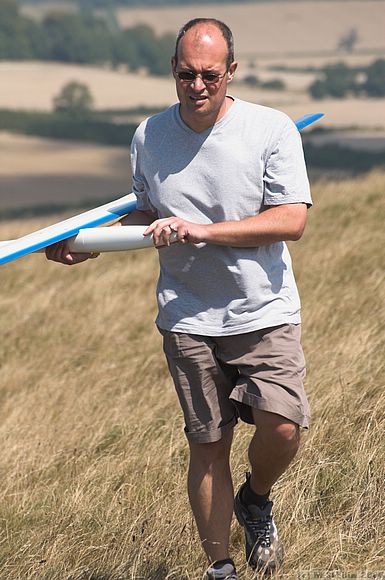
point(93, 458)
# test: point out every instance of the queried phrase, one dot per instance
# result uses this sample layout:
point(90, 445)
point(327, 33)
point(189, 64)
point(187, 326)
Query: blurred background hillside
point(297, 56)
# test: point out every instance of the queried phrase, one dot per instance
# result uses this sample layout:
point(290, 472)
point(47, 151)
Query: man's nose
point(198, 83)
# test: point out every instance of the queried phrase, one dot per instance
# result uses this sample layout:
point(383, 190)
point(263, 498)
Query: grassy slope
point(93, 456)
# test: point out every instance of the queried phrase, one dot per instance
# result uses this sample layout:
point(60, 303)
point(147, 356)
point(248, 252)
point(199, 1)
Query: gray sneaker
point(264, 551)
point(227, 572)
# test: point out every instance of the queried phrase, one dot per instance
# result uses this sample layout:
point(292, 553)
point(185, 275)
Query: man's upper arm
point(285, 178)
point(139, 182)
point(292, 216)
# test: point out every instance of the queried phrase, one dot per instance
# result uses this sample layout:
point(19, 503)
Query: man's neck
point(202, 124)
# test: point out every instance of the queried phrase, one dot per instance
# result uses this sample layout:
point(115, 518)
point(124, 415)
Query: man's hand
point(60, 252)
point(166, 231)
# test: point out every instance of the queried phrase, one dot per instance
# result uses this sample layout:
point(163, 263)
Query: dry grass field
point(33, 85)
point(36, 172)
point(94, 459)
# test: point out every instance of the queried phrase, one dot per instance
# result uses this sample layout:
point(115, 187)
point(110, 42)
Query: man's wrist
point(207, 232)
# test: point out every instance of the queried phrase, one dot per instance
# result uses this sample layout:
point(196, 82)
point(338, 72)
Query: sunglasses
point(208, 78)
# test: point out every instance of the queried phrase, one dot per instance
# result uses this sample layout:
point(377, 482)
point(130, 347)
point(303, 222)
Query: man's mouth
point(198, 98)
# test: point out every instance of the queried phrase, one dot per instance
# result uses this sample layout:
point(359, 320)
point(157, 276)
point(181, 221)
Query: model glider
point(83, 231)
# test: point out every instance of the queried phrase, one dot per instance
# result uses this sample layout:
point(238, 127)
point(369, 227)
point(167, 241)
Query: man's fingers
point(167, 231)
point(157, 225)
point(61, 253)
point(161, 233)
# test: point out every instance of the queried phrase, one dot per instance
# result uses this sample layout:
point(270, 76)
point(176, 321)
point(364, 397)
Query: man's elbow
point(296, 233)
point(297, 226)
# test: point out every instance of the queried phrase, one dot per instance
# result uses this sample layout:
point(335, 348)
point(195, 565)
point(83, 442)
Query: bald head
point(204, 32)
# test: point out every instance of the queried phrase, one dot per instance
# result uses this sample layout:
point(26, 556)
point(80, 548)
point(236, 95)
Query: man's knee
point(273, 427)
point(209, 454)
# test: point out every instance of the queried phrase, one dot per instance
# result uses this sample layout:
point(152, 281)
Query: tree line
point(340, 81)
point(81, 38)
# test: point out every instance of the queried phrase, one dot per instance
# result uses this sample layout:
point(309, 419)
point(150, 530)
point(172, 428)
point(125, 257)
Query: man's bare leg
point(210, 491)
point(272, 448)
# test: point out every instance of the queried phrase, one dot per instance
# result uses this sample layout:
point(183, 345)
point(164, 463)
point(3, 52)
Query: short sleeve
point(285, 178)
point(139, 184)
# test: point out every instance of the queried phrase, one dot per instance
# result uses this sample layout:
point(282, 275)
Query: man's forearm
point(281, 223)
point(275, 224)
point(137, 218)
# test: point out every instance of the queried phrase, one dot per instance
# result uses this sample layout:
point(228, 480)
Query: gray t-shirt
point(251, 158)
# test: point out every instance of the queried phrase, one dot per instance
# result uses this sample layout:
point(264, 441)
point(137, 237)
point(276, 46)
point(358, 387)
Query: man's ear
point(231, 71)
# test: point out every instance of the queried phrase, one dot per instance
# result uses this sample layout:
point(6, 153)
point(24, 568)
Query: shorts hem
point(289, 412)
point(211, 436)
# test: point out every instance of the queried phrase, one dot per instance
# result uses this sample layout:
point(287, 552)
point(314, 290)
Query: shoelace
point(261, 528)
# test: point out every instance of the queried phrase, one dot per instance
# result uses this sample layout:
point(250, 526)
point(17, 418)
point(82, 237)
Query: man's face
point(202, 50)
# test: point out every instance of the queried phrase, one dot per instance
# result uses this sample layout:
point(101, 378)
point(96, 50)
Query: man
point(226, 181)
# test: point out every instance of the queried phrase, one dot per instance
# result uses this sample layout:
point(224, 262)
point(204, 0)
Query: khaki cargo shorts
point(219, 379)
